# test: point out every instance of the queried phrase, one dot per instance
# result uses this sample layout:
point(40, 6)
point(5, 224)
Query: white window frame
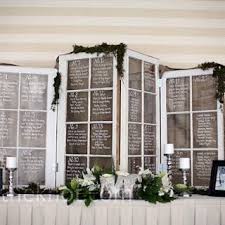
point(61, 135)
point(125, 108)
point(50, 163)
point(220, 132)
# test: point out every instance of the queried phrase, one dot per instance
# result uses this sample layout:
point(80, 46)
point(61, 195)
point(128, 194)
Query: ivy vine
point(117, 50)
point(219, 75)
point(56, 85)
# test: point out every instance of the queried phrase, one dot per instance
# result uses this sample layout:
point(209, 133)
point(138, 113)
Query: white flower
point(89, 176)
point(145, 173)
point(87, 182)
point(107, 175)
point(92, 187)
point(166, 183)
point(161, 192)
point(122, 173)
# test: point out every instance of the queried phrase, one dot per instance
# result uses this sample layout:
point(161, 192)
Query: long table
point(52, 210)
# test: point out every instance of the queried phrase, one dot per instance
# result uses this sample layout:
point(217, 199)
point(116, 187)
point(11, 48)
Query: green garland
point(56, 85)
point(219, 75)
point(117, 50)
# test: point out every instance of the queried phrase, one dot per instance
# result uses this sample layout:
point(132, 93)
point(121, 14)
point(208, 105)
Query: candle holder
point(11, 192)
point(185, 193)
point(169, 166)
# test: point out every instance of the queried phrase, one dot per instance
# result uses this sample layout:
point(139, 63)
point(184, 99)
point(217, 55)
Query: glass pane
point(32, 129)
point(149, 140)
point(135, 106)
point(177, 173)
point(78, 73)
point(101, 139)
point(77, 106)
point(74, 167)
point(134, 139)
point(204, 93)
point(202, 163)
point(101, 105)
point(31, 166)
point(33, 92)
point(205, 130)
point(102, 72)
point(9, 83)
point(8, 128)
point(178, 94)
point(149, 77)
point(104, 162)
point(134, 163)
point(178, 129)
point(135, 73)
point(76, 138)
point(150, 163)
point(149, 108)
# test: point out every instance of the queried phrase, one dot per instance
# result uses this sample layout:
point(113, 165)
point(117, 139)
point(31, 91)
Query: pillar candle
point(168, 149)
point(184, 163)
point(11, 163)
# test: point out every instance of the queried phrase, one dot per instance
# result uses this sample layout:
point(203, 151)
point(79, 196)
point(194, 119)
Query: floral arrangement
point(154, 188)
point(149, 187)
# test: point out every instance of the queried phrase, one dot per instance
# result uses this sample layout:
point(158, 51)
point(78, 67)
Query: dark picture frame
point(217, 181)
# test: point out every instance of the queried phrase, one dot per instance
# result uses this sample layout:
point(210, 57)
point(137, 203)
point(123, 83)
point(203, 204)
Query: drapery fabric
point(52, 210)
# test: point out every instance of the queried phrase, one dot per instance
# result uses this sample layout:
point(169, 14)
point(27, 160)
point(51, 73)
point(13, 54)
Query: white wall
point(179, 33)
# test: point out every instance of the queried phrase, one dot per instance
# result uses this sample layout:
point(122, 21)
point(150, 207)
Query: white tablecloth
point(52, 210)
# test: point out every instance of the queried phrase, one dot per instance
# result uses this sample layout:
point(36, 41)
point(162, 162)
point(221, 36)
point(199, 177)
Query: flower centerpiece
point(87, 188)
point(94, 183)
point(154, 188)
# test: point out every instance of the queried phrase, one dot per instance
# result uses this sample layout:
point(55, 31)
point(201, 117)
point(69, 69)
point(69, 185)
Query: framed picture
point(217, 181)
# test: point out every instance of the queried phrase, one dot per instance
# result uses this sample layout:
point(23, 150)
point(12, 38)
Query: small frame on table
point(217, 181)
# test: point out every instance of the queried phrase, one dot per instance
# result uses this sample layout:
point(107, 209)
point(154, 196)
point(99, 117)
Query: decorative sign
point(135, 106)
point(178, 127)
point(178, 94)
point(77, 106)
point(33, 92)
point(9, 83)
point(101, 105)
point(75, 166)
point(205, 130)
point(32, 129)
point(134, 139)
point(101, 139)
point(177, 173)
point(102, 72)
point(76, 138)
point(78, 74)
point(149, 140)
point(204, 92)
point(193, 122)
point(89, 121)
point(24, 121)
point(31, 166)
point(202, 161)
point(8, 128)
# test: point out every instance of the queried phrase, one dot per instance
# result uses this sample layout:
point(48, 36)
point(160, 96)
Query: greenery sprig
point(56, 85)
point(219, 75)
point(117, 50)
point(155, 188)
